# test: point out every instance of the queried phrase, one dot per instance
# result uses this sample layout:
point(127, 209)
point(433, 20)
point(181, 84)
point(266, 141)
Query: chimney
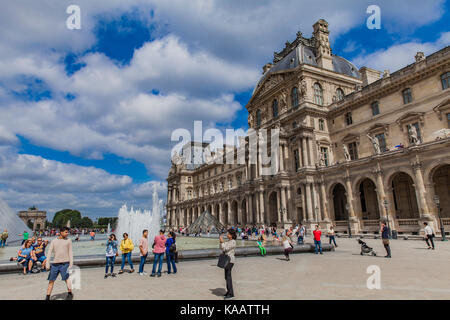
point(369, 75)
point(323, 50)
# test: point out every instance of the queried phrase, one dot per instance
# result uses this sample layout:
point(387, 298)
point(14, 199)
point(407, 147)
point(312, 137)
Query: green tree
point(61, 217)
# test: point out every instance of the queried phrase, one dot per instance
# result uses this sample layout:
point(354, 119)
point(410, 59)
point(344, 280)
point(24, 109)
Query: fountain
point(10, 221)
point(108, 231)
point(134, 221)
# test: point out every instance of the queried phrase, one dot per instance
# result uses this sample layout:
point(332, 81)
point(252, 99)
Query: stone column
point(326, 217)
point(351, 211)
point(305, 153)
point(312, 154)
point(317, 210)
point(278, 205)
point(239, 212)
point(229, 215)
point(380, 193)
point(250, 209)
point(289, 204)
point(284, 217)
point(309, 208)
point(261, 206)
point(281, 157)
point(220, 213)
point(300, 162)
point(257, 211)
point(424, 212)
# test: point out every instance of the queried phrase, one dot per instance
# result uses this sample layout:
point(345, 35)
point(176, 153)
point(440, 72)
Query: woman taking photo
point(111, 253)
point(126, 246)
point(228, 248)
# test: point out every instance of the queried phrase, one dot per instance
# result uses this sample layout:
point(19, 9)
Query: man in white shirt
point(301, 234)
point(429, 235)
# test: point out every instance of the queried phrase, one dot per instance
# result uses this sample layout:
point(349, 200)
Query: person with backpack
point(171, 248)
point(429, 235)
point(111, 254)
point(126, 246)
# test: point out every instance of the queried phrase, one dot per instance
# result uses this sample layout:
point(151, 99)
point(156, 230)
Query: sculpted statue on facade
point(375, 144)
point(413, 136)
point(346, 153)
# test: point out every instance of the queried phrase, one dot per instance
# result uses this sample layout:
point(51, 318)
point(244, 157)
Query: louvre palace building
point(356, 147)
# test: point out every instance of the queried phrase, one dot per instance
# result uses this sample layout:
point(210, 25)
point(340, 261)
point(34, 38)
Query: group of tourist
point(161, 246)
point(32, 251)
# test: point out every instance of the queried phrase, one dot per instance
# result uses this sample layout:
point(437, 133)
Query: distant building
point(34, 217)
point(356, 147)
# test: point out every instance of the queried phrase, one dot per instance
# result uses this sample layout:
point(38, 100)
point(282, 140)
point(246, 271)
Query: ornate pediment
point(442, 107)
point(271, 82)
point(409, 118)
point(350, 138)
point(379, 128)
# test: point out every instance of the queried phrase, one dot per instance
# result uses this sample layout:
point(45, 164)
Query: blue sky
point(86, 115)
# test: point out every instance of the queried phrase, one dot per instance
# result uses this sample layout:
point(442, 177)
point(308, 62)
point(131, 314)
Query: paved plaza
point(413, 273)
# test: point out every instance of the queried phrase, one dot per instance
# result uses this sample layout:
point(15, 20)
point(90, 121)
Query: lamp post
point(347, 207)
point(436, 201)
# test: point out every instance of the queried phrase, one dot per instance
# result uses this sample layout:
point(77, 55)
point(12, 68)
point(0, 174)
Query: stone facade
point(37, 218)
point(356, 147)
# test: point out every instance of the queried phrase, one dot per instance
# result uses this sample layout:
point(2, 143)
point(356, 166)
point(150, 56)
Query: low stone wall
point(184, 255)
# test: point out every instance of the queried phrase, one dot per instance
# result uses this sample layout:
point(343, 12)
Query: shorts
point(22, 259)
point(41, 258)
point(57, 268)
point(287, 251)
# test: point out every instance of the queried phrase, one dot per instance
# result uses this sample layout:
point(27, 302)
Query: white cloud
point(400, 55)
point(205, 51)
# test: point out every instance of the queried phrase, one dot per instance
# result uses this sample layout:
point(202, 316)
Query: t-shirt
point(160, 244)
point(317, 234)
point(4, 235)
point(144, 244)
point(385, 233)
point(286, 244)
point(25, 252)
point(39, 249)
point(62, 248)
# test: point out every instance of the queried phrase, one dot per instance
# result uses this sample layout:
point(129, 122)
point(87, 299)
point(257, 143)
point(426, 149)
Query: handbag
point(224, 260)
point(173, 248)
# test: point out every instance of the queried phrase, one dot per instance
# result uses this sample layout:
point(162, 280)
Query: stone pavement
point(413, 273)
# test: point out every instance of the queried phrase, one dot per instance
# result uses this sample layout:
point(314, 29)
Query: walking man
point(63, 260)
point(429, 235)
point(143, 251)
point(317, 242)
point(385, 238)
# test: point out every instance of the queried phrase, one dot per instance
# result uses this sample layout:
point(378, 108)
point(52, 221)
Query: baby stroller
point(365, 249)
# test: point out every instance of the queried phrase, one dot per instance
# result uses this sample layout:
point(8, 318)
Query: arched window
point(258, 118)
point(275, 108)
point(339, 94)
point(294, 97)
point(318, 94)
point(407, 96)
point(445, 79)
